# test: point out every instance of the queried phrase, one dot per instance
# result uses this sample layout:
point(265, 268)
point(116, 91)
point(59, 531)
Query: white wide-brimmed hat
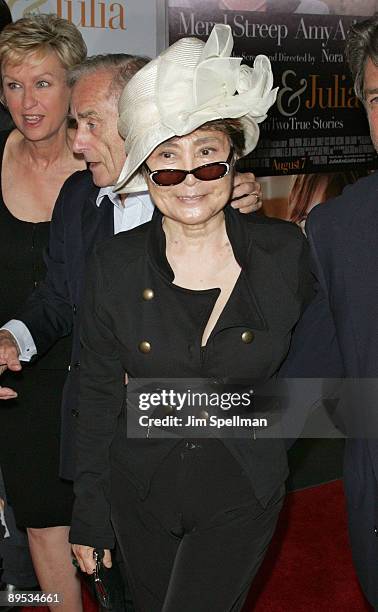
point(187, 85)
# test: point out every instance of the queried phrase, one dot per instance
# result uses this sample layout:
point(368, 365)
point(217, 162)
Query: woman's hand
point(84, 556)
point(247, 194)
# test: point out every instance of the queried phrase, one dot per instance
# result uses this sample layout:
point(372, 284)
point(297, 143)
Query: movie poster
point(317, 124)
point(108, 26)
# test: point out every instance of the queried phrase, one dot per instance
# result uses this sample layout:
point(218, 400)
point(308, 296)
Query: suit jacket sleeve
point(48, 311)
point(101, 399)
point(314, 350)
point(314, 354)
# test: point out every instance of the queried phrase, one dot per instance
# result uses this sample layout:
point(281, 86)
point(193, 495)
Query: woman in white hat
point(199, 292)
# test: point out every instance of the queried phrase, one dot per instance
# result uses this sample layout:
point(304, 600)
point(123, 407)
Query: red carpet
point(309, 566)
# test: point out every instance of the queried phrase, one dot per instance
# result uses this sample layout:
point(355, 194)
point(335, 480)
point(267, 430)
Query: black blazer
point(338, 336)
point(269, 296)
point(53, 310)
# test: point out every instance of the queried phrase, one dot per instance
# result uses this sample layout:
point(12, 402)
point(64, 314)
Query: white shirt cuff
point(23, 338)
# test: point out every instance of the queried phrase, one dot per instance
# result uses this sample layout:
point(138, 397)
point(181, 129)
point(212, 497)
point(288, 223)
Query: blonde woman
point(36, 158)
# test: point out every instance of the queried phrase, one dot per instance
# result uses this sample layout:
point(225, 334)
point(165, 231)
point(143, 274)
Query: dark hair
point(305, 186)
point(362, 44)
point(5, 15)
point(233, 128)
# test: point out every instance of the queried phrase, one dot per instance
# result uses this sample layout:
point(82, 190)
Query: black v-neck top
point(22, 268)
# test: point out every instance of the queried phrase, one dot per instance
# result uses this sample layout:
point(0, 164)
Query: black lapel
point(97, 222)
point(360, 276)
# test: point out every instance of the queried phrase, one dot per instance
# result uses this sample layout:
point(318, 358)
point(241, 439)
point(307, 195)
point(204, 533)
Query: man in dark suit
point(338, 334)
point(86, 212)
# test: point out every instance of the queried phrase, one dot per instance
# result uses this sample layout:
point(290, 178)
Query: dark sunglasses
point(174, 176)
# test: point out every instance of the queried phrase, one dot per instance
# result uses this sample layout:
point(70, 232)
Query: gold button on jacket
point(247, 336)
point(144, 346)
point(148, 294)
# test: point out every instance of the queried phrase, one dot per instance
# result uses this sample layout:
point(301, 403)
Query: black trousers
point(197, 540)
